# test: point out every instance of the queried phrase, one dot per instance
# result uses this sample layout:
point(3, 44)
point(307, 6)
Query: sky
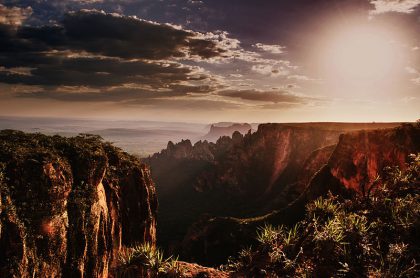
point(211, 60)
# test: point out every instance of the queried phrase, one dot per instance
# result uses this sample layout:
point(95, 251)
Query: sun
point(362, 53)
point(360, 58)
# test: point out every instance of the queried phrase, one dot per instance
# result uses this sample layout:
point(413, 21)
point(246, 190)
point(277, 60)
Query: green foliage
point(376, 235)
point(148, 260)
point(267, 235)
point(322, 209)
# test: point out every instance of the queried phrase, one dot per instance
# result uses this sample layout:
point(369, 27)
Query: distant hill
point(224, 129)
point(345, 126)
point(141, 138)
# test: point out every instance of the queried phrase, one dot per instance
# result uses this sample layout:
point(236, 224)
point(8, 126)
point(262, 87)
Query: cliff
point(346, 169)
point(216, 131)
point(68, 205)
point(265, 162)
point(239, 176)
point(361, 156)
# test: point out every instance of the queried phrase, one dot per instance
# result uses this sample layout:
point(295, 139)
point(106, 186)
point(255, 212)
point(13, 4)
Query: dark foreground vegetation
point(373, 236)
point(377, 235)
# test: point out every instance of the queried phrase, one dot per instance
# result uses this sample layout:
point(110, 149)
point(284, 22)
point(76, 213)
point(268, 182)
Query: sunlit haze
point(209, 61)
point(361, 55)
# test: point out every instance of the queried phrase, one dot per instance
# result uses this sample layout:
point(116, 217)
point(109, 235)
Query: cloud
point(411, 70)
point(97, 56)
point(272, 70)
point(88, 1)
point(100, 50)
point(115, 35)
point(398, 6)
point(14, 16)
point(185, 103)
point(409, 99)
point(272, 48)
point(300, 77)
point(234, 53)
point(97, 49)
point(114, 94)
point(58, 69)
point(416, 80)
point(16, 71)
point(273, 96)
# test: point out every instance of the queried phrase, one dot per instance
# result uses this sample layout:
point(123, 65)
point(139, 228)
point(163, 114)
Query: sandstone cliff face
point(238, 176)
point(344, 169)
point(257, 163)
point(361, 156)
point(316, 160)
point(69, 204)
point(266, 162)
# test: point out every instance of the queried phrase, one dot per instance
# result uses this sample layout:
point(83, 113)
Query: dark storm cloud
point(129, 37)
point(56, 70)
point(95, 49)
point(273, 96)
point(111, 35)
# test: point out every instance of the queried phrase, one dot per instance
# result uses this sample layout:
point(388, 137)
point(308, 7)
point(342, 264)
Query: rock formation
point(346, 169)
point(216, 131)
point(361, 156)
point(238, 176)
point(69, 204)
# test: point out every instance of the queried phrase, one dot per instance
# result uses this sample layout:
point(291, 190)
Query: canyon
point(241, 182)
point(69, 206)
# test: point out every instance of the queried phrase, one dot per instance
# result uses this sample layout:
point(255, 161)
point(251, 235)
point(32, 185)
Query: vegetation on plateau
point(372, 236)
point(376, 235)
point(147, 260)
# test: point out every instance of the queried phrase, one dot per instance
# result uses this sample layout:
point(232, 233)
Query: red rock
point(69, 205)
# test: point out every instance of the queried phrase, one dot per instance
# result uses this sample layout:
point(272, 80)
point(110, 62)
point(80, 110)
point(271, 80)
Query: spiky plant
point(374, 235)
point(141, 258)
point(267, 234)
point(322, 209)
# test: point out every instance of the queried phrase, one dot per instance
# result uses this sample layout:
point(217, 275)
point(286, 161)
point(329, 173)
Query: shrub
point(145, 260)
point(322, 209)
point(375, 235)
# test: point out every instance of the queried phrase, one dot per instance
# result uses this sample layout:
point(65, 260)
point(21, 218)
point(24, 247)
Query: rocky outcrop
point(240, 176)
point(69, 204)
point(216, 131)
point(345, 169)
point(361, 156)
point(266, 163)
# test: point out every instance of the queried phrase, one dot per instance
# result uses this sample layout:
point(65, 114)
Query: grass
point(375, 235)
point(148, 261)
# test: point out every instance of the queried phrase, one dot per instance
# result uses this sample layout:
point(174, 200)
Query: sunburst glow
point(361, 58)
point(363, 54)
